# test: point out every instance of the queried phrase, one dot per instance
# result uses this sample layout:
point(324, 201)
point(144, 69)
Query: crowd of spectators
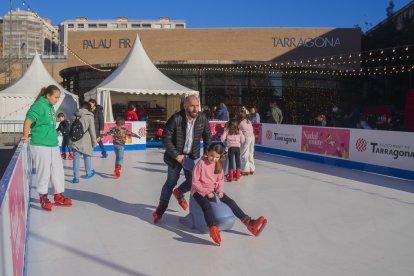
point(370, 117)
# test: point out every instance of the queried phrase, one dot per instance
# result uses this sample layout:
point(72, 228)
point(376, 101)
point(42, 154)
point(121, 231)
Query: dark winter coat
point(64, 127)
point(174, 136)
point(99, 119)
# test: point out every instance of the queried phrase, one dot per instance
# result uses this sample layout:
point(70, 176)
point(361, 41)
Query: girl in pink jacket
point(233, 138)
point(208, 178)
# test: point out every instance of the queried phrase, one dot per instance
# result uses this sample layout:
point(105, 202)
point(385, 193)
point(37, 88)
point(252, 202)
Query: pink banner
point(108, 139)
point(326, 141)
point(257, 128)
point(17, 217)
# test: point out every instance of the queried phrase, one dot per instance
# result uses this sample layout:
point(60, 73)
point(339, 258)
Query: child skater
point(208, 178)
point(64, 128)
point(119, 134)
point(233, 138)
point(247, 147)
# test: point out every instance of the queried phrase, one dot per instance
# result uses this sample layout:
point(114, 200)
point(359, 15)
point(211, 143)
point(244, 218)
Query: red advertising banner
point(17, 217)
point(326, 141)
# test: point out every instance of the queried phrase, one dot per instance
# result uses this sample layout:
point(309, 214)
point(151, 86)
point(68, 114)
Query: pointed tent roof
point(138, 75)
point(18, 97)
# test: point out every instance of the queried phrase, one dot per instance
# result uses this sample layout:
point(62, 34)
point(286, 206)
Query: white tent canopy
point(16, 100)
point(135, 75)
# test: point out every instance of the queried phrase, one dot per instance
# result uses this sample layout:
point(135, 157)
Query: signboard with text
point(326, 141)
point(284, 137)
point(383, 148)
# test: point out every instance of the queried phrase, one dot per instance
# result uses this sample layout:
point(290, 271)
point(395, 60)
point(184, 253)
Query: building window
point(81, 26)
point(103, 26)
point(157, 26)
point(123, 26)
point(92, 26)
point(179, 26)
point(71, 26)
point(146, 25)
point(136, 25)
point(113, 25)
point(167, 26)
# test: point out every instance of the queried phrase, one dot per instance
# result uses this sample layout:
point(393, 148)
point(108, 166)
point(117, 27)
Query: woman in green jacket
point(40, 121)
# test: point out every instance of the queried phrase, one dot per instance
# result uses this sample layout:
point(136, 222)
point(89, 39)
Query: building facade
point(249, 66)
point(24, 33)
point(83, 24)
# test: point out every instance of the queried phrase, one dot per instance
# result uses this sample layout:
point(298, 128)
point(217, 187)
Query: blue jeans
point(76, 163)
point(119, 154)
point(172, 179)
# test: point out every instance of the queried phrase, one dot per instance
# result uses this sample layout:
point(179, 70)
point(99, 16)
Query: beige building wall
point(212, 45)
point(54, 69)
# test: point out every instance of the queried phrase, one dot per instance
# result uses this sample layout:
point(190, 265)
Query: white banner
point(383, 148)
point(284, 137)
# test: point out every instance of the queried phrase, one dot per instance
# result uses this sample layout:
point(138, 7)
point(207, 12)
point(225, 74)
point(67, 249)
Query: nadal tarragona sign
point(309, 42)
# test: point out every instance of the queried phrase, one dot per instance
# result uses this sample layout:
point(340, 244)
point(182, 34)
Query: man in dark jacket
point(181, 139)
point(99, 124)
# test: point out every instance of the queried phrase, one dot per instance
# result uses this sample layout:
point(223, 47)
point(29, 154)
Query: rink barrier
point(383, 152)
point(406, 174)
point(15, 200)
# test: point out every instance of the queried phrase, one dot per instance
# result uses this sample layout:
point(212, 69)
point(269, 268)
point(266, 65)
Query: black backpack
point(76, 130)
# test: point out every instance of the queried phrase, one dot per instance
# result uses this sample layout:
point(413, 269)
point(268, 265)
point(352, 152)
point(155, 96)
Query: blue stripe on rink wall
point(340, 162)
point(127, 147)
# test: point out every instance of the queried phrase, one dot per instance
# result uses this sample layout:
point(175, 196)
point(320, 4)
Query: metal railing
point(10, 132)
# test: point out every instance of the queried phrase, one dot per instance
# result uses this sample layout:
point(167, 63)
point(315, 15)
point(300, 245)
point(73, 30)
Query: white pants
point(247, 155)
point(49, 169)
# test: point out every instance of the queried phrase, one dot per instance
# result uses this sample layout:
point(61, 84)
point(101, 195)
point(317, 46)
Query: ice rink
point(322, 220)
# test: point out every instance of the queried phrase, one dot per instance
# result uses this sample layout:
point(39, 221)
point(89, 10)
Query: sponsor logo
point(269, 134)
point(284, 138)
point(313, 138)
point(142, 132)
point(361, 144)
point(396, 151)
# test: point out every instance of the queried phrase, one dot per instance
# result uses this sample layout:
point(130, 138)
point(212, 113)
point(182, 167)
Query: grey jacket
point(86, 144)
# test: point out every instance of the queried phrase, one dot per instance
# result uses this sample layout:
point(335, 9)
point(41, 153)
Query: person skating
point(181, 138)
point(208, 178)
point(119, 135)
point(41, 123)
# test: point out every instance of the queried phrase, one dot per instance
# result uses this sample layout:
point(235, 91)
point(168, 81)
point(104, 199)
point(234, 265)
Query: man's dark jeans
point(172, 179)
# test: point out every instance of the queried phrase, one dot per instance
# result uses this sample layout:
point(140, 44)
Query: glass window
point(71, 26)
point(103, 26)
point(179, 26)
point(81, 26)
point(157, 26)
point(167, 26)
point(146, 25)
point(92, 26)
point(124, 26)
point(136, 25)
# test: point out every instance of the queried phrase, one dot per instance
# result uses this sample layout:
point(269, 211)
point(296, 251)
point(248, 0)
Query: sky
point(221, 13)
